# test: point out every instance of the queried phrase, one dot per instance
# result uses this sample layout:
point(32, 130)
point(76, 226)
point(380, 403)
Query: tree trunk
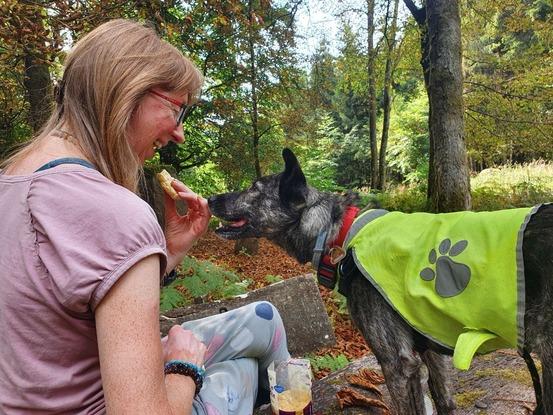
point(387, 93)
point(372, 93)
point(37, 80)
point(450, 188)
point(38, 86)
point(440, 34)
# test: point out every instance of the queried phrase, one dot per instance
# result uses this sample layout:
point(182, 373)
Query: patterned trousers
point(241, 344)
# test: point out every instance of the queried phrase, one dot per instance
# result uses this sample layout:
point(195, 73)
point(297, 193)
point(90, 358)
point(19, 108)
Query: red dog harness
point(326, 257)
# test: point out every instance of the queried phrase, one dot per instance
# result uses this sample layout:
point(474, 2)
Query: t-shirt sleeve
point(89, 232)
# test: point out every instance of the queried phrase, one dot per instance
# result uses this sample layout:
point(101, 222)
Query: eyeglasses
point(185, 110)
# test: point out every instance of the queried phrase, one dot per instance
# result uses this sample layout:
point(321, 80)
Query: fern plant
point(171, 298)
point(271, 279)
point(201, 279)
point(329, 362)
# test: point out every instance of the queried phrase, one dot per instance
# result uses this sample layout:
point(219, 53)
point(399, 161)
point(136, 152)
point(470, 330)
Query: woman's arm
point(131, 356)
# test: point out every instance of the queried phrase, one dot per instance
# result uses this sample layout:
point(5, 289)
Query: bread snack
point(165, 180)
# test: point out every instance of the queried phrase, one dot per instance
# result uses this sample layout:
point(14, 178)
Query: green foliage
point(205, 180)
point(271, 279)
point(201, 279)
point(497, 188)
point(509, 61)
point(408, 148)
point(341, 301)
point(353, 157)
point(404, 198)
point(322, 76)
point(316, 156)
point(512, 186)
point(328, 362)
point(171, 298)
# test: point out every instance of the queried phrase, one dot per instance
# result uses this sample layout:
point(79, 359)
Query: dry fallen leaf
point(371, 376)
point(362, 382)
point(349, 397)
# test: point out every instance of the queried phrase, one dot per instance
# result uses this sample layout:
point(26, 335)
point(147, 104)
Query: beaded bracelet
point(180, 367)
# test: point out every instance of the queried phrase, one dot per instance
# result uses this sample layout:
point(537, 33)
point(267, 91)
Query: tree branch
point(495, 117)
point(504, 94)
point(418, 13)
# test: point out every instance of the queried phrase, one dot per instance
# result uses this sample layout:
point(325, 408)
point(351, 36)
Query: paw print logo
point(451, 277)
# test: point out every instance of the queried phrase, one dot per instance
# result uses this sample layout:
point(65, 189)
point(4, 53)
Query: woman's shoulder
point(83, 191)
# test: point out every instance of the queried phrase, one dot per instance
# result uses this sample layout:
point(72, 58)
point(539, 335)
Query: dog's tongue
point(238, 223)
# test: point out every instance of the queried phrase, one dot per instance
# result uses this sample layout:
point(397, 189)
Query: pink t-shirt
point(67, 234)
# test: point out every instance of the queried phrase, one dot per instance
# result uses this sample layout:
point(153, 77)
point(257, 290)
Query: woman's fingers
point(195, 202)
point(181, 187)
point(184, 345)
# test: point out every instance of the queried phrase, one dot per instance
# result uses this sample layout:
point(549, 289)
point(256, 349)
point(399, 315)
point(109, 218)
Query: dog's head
point(268, 207)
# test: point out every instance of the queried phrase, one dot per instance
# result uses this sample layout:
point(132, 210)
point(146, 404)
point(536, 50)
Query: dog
point(284, 209)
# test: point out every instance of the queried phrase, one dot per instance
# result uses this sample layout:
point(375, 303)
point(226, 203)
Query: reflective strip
point(360, 222)
point(521, 279)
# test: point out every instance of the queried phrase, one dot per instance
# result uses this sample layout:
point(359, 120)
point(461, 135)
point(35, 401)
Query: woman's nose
point(178, 134)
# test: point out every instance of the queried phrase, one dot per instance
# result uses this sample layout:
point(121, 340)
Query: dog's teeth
point(220, 225)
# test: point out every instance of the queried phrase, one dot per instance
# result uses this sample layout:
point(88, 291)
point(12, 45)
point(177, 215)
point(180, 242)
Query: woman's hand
point(181, 232)
point(182, 344)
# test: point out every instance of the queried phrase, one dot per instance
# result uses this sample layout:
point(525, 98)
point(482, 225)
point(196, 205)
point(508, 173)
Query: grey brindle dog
point(288, 212)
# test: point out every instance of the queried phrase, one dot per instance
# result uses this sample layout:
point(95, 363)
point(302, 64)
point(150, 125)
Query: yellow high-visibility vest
point(457, 278)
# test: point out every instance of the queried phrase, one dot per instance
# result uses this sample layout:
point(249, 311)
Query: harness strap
point(325, 261)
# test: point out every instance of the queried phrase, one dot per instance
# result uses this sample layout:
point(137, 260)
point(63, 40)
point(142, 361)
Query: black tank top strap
point(66, 160)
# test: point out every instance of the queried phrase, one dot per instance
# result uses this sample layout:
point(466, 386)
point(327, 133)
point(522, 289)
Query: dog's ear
point(292, 186)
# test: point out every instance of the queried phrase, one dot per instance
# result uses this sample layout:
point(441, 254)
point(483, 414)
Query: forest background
point(354, 108)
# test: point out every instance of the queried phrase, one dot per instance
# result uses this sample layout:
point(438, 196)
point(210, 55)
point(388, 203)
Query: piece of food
point(165, 180)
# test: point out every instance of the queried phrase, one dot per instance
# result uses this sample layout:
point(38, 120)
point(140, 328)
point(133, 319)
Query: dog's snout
point(217, 204)
point(212, 200)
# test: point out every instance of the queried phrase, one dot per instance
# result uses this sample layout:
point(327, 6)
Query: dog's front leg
point(392, 343)
point(438, 381)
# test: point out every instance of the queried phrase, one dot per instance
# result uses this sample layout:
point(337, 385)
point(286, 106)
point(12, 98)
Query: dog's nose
point(211, 200)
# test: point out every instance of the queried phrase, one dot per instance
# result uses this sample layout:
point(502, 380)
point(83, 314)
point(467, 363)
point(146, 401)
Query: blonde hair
point(106, 75)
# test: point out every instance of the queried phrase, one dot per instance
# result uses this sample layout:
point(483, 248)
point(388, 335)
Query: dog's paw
point(451, 277)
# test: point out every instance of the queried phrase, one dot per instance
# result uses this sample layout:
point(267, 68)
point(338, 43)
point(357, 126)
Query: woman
point(81, 256)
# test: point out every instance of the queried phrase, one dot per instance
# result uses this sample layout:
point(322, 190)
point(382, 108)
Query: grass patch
point(467, 399)
point(272, 279)
point(521, 376)
point(404, 199)
point(513, 186)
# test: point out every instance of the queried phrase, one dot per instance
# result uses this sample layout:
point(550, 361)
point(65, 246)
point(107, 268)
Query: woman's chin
point(147, 155)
